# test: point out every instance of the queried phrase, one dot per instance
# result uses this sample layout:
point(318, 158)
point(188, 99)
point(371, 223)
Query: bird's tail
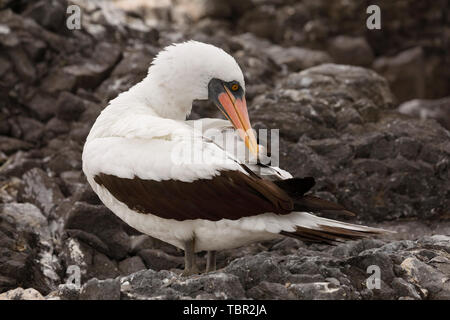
point(316, 229)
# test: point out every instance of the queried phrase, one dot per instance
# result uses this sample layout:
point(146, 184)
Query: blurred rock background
point(367, 112)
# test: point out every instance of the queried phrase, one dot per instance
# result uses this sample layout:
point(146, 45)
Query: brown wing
point(331, 235)
point(296, 189)
point(230, 195)
point(310, 203)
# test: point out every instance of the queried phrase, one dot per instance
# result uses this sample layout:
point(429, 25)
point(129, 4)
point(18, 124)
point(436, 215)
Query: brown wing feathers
point(230, 195)
point(330, 234)
point(296, 189)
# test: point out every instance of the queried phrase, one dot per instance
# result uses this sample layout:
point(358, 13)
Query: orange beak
point(236, 111)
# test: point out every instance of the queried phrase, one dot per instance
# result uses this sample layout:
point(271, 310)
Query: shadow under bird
point(135, 160)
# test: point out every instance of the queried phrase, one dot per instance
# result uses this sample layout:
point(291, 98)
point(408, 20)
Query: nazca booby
point(133, 159)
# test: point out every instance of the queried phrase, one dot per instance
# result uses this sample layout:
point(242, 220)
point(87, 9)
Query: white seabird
point(135, 160)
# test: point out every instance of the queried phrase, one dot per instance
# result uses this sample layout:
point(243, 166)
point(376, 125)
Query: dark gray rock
point(50, 15)
point(216, 9)
point(19, 255)
point(438, 110)
point(150, 284)
point(392, 161)
point(19, 163)
point(88, 238)
point(433, 282)
point(65, 292)
point(102, 223)
point(38, 188)
point(405, 73)
point(405, 289)
point(220, 285)
point(32, 130)
point(297, 59)
point(56, 126)
point(22, 64)
point(91, 73)
point(44, 106)
point(57, 81)
point(70, 107)
point(312, 274)
point(25, 216)
point(67, 159)
point(270, 291)
point(131, 265)
point(92, 263)
point(79, 132)
point(10, 145)
point(21, 294)
point(263, 266)
point(96, 289)
point(130, 70)
point(142, 242)
point(351, 51)
point(317, 291)
point(159, 260)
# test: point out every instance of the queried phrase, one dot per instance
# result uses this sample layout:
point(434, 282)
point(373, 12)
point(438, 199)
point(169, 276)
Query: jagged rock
point(131, 265)
point(428, 109)
point(21, 294)
point(10, 145)
point(70, 107)
point(25, 216)
point(19, 260)
point(142, 242)
point(43, 106)
point(92, 263)
point(405, 73)
point(32, 130)
point(405, 289)
point(159, 260)
point(351, 50)
point(50, 15)
point(65, 292)
point(337, 123)
point(317, 291)
point(38, 188)
point(101, 222)
point(310, 274)
point(297, 59)
point(433, 283)
point(270, 291)
point(19, 163)
point(96, 289)
point(68, 159)
point(376, 150)
point(187, 11)
point(92, 72)
point(268, 269)
point(130, 70)
point(150, 284)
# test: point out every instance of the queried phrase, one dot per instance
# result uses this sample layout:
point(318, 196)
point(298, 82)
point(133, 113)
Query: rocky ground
point(376, 142)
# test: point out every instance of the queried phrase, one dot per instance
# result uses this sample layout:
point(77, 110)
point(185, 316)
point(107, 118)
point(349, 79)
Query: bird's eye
point(235, 87)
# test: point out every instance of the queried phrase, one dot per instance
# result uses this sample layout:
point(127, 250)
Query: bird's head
point(193, 70)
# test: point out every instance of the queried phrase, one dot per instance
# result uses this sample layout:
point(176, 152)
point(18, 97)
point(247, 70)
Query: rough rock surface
point(339, 123)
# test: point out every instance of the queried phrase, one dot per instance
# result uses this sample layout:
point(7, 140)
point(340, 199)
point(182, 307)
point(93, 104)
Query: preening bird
point(168, 178)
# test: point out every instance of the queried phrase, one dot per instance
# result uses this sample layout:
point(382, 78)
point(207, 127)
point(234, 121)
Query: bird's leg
point(211, 261)
point(190, 265)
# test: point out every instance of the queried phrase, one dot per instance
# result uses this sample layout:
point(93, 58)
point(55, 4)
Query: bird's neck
point(159, 98)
